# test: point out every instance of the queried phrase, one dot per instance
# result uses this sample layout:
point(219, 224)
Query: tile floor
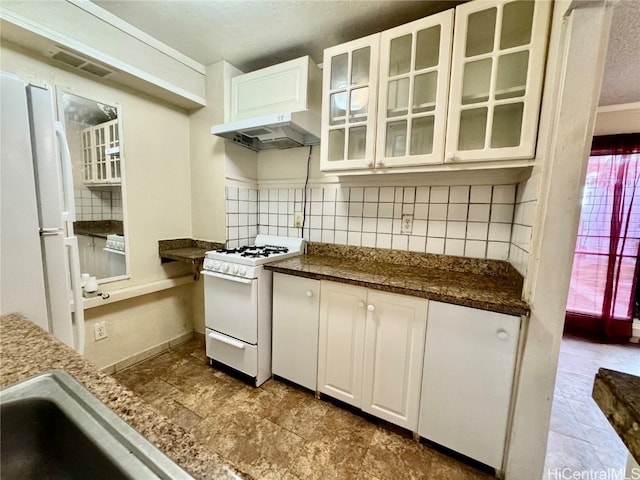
point(580, 438)
point(278, 431)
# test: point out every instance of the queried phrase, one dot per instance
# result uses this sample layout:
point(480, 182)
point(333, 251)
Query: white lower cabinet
point(296, 303)
point(468, 374)
point(393, 351)
point(371, 345)
point(341, 341)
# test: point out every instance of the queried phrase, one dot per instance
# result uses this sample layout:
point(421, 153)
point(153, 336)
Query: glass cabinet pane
point(427, 48)
point(512, 75)
point(357, 143)
point(360, 60)
point(424, 92)
point(476, 81)
point(396, 139)
point(358, 106)
point(338, 108)
point(473, 127)
point(336, 145)
point(339, 66)
point(422, 129)
point(517, 22)
point(400, 55)
point(507, 125)
point(481, 28)
point(398, 97)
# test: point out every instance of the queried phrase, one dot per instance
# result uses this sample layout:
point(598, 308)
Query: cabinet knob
point(379, 164)
point(361, 304)
point(371, 308)
point(502, 334)
point(309, 293)
point(450, 157)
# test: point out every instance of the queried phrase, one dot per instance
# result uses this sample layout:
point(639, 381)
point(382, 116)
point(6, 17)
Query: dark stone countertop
point(186, 250)
point(26, 350)
point(485, 284)
point(98, 228)
point(618, 396)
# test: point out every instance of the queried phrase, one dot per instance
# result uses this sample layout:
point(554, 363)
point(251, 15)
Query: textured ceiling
point(252, 34)
point(621, 80)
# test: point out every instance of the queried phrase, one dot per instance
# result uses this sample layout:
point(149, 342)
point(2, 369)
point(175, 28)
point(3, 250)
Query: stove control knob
point(216, 265)
point(234, 269)
point(242, 271)
point(225, 267)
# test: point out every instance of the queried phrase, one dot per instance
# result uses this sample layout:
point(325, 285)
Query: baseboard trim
point(146, 354)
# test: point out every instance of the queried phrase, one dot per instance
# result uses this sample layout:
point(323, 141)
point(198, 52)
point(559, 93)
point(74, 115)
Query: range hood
point(274, 107)
point(278, 130)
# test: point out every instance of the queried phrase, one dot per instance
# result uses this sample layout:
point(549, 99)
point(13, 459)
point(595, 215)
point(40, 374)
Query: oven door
point(231, 306)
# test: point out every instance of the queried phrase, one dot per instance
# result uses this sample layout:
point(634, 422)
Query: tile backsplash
point(473, 221)
point(98, 204)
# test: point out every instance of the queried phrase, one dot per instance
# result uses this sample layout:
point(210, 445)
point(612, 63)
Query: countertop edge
point(26, 350)
point(514, 307)
point(618, 394)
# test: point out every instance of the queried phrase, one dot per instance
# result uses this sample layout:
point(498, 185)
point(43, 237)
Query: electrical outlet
point(100, 330)
point(407, 224)
point(297, 220)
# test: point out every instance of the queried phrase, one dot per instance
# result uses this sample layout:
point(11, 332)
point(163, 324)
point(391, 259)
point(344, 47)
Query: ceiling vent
point(79, 62)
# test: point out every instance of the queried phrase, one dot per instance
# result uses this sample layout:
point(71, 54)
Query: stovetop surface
point(266, 248)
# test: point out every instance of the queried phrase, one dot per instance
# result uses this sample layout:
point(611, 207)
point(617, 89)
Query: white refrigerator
point(39, 263)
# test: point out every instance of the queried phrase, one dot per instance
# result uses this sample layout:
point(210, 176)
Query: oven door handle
point(208, 273)
point(224, 339)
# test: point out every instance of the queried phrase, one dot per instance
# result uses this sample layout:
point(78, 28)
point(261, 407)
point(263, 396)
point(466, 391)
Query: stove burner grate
point(256, 251)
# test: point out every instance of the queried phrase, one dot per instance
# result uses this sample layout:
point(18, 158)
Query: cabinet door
point(114, 173)
point(349, 99)
point(496, 79)
point(85, 252)
point(394, 347)
point(296, 304)
point(88, 167)
point(415, 60)
point(100, 258)
point(276, 89)
point(468, 372)
point(341, 341)
point(100, 158)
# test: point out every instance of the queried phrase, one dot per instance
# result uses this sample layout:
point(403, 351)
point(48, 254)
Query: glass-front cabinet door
point(349, 97)
point(496, 79)
point(415, 60)
point(113, 150)
point(101, 154)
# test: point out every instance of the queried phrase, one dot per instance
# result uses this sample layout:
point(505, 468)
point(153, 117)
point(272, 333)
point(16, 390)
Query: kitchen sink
point(51, 426)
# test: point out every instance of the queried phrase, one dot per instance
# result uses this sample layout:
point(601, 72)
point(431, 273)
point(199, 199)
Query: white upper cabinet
point(414, 83)
point(290, 86)
point(496, 80)
point(101, 163)
point(349, 101)
point(448, 95)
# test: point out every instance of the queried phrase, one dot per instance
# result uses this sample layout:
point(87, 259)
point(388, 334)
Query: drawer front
point(232, 352)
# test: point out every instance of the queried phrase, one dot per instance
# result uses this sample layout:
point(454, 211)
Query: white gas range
point(237, 302)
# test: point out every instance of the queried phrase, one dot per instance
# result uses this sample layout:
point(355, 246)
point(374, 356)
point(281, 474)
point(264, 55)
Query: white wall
point(157, 195)
point(572, 88)
point(617, 119)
